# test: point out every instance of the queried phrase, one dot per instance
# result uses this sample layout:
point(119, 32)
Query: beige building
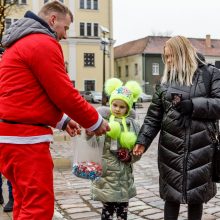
point(90, 37)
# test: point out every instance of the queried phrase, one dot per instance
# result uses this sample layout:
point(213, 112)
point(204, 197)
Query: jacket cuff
point(61, 122)
point(96, 125)
point(65, 123)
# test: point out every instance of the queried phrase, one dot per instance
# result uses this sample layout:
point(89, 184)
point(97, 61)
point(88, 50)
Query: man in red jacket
point(35, 93)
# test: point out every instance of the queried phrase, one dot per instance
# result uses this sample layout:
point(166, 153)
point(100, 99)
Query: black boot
point(9, 206)
point(1, 199)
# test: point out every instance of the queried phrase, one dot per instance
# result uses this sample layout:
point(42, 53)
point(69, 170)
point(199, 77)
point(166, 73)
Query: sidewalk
point(72, 199)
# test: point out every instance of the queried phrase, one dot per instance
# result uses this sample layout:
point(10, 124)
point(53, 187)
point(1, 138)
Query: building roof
point(155, 44)
point(131, 48)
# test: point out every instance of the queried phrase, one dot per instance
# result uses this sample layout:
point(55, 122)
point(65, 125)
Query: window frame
point(82, 29)
point(136, 69)
point(89, 4)
point(89, 59)
point(82, 4)
point(95, 29)
point(95, 5)
point(155, 69)
point(90, 87)
point(126, 71)
point(89, 29)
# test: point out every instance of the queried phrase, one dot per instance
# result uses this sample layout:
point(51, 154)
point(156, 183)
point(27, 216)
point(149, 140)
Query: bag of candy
point(87, 157)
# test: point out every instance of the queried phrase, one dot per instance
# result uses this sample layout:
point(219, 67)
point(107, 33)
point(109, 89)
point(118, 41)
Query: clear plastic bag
point(87, 156)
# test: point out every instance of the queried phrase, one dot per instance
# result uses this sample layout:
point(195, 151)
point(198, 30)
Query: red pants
point(29, 167)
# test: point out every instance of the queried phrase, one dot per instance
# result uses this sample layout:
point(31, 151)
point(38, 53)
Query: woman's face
point(168, 56)
point(119, 108)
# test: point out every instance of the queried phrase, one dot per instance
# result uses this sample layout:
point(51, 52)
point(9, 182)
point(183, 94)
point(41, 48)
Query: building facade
point(141, 59)
point(88, 51)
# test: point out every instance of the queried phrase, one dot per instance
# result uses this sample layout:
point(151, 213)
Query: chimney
point(208, 41)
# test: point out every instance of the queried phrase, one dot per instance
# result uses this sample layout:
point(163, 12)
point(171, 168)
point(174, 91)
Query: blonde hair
point(55, 6)
point(183, 61)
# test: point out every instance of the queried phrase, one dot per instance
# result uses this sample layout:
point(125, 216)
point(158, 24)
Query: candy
point(87, 170)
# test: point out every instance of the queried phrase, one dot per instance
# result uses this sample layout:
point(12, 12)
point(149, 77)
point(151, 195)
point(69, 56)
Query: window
point(96, 29)
point(119, 72)
point(136, 69)
point(95, 4)
point(73, 82)
point(8, 22)
point(89, 29)
point(217, 64)
point(89, 85)
point(81, 4)
point(89, 59)
point(82, 29)
point(89, 4)
point(155, 69)
point(45, 1)
point(23, 2)
point(126, 71)
point(66, 66)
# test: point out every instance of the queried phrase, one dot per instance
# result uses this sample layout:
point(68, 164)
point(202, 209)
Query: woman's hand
point(138, 150)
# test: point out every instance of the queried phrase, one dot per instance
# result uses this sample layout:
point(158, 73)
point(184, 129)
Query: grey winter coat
point(185, 153)
point(117, 181)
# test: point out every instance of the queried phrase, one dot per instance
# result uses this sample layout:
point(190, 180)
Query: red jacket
point(35, 89)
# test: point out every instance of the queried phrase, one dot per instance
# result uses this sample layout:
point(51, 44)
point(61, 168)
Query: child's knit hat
point(129, 93)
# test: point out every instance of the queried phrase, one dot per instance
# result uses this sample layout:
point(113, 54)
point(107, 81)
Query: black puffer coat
point(184, 153)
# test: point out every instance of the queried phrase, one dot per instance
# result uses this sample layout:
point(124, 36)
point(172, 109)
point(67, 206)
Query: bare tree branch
point(5, 8)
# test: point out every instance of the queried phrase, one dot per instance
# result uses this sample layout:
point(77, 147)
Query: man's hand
point(102, 129)
point(73, 128)
point(138, 150)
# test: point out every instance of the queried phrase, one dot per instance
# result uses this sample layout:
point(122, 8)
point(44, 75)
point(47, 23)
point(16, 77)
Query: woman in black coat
point(185, 113)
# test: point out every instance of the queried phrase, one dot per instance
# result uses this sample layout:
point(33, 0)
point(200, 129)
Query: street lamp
point(104, 43)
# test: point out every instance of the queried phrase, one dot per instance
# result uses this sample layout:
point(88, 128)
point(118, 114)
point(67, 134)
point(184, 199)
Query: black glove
point(185, 107)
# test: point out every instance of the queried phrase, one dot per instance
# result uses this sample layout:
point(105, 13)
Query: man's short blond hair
point(55, 6)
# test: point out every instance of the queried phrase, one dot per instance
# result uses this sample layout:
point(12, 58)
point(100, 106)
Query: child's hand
point(138, 150)
point(89, 133)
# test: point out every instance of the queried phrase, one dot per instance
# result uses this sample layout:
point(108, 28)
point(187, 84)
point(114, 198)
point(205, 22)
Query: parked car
point(144, 98)
point(93, 96)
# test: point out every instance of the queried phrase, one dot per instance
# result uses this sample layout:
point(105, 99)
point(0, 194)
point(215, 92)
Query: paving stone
point(138, 208)
point(156, 216)
point(136, 203)
point(149, 211)
point(208, 217)
point(78, 210)
point(87, 215)
point(212, 210)
point(74, 205)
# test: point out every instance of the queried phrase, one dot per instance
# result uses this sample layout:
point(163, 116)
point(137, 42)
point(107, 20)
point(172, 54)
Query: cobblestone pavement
point(72, 199)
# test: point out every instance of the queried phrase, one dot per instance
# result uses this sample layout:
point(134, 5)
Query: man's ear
point(52, 20)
